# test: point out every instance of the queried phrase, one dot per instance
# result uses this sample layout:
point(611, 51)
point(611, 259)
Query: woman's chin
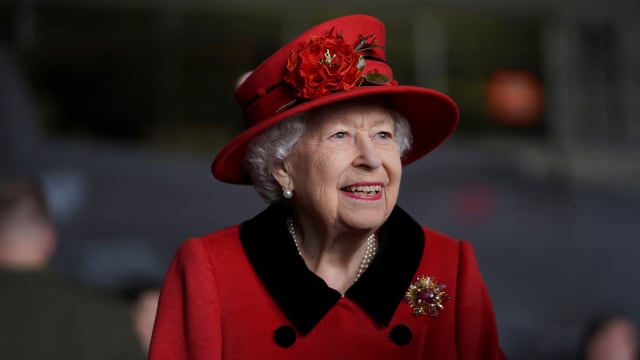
point(364, 219)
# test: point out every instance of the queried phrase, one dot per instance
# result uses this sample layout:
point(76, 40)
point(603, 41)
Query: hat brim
point(432, 116)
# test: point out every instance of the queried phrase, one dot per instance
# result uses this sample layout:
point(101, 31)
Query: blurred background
point(120, 106)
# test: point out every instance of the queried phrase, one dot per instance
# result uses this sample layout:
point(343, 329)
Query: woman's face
point(345, 171)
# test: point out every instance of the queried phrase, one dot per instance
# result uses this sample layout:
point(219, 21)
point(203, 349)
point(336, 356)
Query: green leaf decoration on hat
point(376, 78)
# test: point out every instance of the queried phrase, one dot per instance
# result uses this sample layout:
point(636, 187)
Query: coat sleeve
point(476, 328)
point(188, 319)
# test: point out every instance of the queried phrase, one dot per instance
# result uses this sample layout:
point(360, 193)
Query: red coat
point(245, 293)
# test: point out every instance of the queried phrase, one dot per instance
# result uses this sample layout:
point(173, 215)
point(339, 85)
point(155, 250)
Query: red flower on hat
point(323, 64)
point(328, 63)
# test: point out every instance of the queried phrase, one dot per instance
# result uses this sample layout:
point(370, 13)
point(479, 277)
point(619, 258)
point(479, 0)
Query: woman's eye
point(385, 135)
point(340, 135)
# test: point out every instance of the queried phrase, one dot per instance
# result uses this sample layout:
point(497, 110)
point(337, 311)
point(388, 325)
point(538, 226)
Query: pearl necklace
point(369, 253)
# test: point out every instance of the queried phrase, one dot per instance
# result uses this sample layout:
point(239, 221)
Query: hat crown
point(265, 91)
point(338, 60)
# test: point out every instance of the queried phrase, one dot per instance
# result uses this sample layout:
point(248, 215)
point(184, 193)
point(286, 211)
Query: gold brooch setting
point(425, 296)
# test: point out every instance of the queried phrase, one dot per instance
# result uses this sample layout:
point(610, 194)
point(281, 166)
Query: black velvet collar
point(303, 296)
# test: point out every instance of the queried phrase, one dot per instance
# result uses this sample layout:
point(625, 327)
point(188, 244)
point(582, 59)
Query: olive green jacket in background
point(43, 316)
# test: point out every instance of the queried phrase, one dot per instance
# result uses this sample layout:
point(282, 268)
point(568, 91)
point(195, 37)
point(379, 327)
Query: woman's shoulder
point(434, 235)
point(440, 245)
point(435, 240)
point(216, 242)
point(221, 235)
point(402, 224)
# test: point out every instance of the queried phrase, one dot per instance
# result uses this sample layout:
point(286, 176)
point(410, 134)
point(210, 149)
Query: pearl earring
point(286, 193)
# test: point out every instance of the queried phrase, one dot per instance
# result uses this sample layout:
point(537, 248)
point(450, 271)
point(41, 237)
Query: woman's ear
point(281, 172)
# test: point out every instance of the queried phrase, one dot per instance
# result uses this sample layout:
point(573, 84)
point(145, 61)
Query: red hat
point(338, 60)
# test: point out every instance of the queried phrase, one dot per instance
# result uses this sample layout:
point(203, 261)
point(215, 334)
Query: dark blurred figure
point(143, 297)
point(42, 316)
point(144, 315)
point(611, 337)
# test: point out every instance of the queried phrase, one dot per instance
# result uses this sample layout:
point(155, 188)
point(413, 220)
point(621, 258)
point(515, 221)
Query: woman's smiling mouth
point(363, 191)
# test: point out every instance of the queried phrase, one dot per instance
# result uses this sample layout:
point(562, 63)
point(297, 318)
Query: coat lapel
point(303, 296)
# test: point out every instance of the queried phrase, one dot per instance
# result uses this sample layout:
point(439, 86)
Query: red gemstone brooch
point(425, 296)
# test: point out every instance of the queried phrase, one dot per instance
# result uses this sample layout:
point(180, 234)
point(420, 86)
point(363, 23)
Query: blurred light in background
point(514, 97)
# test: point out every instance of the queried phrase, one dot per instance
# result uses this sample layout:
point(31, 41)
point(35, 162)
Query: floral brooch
point(425, 296)
point(328, 63)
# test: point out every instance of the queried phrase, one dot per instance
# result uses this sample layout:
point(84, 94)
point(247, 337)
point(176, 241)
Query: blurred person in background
point(332, 269)
point(611, 337)
point(143, 294)
point(42, 315)
point(143, 311)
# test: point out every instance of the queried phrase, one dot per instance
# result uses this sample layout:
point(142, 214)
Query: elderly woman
point(333, 268)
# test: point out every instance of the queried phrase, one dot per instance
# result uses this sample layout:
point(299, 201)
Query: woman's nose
point(367, 154)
